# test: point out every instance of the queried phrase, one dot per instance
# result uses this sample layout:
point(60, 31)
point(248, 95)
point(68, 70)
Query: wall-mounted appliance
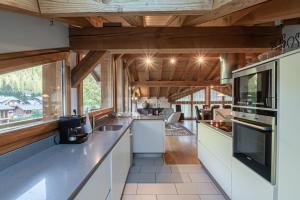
point(255, 119)
point(255, 87)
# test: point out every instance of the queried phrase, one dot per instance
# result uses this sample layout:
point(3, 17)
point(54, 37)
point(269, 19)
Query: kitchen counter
point(59, 172)
point(220, 126)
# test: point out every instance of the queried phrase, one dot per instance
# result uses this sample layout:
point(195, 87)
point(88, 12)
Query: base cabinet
point(98, 186)
point(148, 136)
point(215, 152)
point(109, 179)
point(120, 162)
point(247, 185)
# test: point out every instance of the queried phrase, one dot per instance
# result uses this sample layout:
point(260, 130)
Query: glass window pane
point(31, 95)
point(91, 93)
point(186, 98)
point(199, 96)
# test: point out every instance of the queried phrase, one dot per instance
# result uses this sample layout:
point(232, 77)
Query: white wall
point(20, 32)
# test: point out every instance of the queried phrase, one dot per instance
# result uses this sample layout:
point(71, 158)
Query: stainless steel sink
point(110, 127)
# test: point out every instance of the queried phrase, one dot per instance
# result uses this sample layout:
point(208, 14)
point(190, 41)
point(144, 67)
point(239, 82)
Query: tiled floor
point(151, 179)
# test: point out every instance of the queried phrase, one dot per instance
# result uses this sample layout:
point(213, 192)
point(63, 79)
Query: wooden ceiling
point(162, 78)
point(148, 13)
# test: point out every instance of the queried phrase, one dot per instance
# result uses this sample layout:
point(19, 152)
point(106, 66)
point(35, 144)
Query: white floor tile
point(139, 197)
point(143, 161)
point(172, 178)
point(156, 189)
point(141, 178)
point(177, 197)
point(130, 188)
point(212, 197)
point(187, 168)
point(196, 188)
point(199, 177)
point(163, 169)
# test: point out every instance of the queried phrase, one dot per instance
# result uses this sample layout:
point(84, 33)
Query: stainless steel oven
point(254, 140)
point(255, 87)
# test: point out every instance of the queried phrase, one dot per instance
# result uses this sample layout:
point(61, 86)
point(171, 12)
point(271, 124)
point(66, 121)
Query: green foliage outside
point(23, 84)
point(91, 93)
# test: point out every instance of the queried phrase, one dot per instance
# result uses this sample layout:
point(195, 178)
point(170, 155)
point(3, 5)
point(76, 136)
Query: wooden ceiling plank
point(204, 38)
point(223, 9)
point(137, 21)
point(86, 66)
point(92, 7)
point(26, 6)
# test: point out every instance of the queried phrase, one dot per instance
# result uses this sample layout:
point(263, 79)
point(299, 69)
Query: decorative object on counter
point(71, 129)
point(173, 119)
point(87, 126)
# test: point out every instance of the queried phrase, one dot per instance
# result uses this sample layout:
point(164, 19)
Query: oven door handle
point(263, 128)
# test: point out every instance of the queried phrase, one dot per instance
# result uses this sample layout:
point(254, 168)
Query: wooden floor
point(182, 149)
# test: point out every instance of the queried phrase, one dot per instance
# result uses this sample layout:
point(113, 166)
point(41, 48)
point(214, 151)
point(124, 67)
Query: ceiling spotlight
point(148, 61)
point(200, 59)
point(172, 60)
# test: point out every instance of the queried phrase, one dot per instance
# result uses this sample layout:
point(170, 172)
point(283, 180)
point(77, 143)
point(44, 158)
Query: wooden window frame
point(16, 138)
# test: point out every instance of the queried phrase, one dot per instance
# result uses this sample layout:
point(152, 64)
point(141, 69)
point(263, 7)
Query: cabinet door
point(247, 185)
point(148, 136)
point(98, 186)
point(120, 166)
point(288, 128)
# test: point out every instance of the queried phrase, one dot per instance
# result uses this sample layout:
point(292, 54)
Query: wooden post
point(115, 85)
point(52, 95)
point(208, 96)
point(192, 103)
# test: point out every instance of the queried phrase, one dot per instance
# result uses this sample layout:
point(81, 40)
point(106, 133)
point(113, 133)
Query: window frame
point(21, 136)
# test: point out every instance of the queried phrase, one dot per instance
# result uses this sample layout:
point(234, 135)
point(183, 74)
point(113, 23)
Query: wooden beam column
point(86, 66)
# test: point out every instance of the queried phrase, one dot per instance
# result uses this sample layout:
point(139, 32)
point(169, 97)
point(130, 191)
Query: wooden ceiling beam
point(174, 83)
point(21, 60)
point(134, 20)
point(200, 38)
point(86, 66)
point(95, 76)
point(222, 8)
point(128, 7)
point(272, 11)
point(26, 6)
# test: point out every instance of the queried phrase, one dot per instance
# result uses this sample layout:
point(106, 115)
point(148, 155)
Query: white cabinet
point(120, 162)
point(215, 152)
point(98, 186)
point(248, 185)
point(288, 128)
point(148, 136)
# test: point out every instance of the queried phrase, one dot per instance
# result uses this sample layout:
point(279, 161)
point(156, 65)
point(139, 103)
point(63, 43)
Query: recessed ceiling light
point(200, 59)
point(148, 60)
point(172, 60)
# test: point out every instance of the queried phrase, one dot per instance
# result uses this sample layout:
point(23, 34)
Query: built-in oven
point(255, 87)
point(254, 140)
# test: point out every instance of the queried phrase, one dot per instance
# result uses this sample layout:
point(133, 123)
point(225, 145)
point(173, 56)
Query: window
point(98, 88)
point(91, 93)
point(186, 98)
point(31, 95)
point(199, 96)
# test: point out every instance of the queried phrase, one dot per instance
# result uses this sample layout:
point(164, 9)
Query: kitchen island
point(215, 151)
point(148, 134)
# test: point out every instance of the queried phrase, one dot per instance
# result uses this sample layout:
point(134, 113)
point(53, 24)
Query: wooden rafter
point(134, 20)
point(86, 66)
point(221, 10)
point(205, 38)
point(28, 6)
point(175, 83)
point(272, 11)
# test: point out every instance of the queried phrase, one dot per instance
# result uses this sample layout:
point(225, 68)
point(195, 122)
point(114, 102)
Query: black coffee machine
point(71, 129)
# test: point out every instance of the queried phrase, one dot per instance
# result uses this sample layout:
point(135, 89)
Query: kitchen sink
point(110, 127)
